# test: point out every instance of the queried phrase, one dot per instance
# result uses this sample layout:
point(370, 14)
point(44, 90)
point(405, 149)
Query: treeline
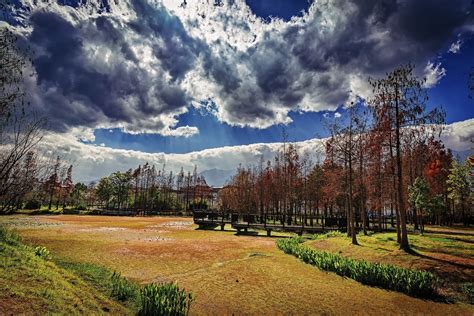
point(146, 189)
point(39, 181)
point(383, 161)
point(31, 180)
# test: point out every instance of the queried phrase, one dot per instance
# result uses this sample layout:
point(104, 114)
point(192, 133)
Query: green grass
point(164, 299)
point(122, 289)
point(42, 252)
point(331, 234)
point(411, 282)
point(105, 281)
point(468, 290)
point(28, 274)
point(220, 268)
point(29, 283)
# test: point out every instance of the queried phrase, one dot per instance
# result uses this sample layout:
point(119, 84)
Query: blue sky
point(134, 76)
point(278, 8)
point(212, 133)
point(451, 93)
point(126, 82)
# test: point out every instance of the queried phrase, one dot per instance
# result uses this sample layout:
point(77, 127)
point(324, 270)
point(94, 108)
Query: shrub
point(81, 207)
point(32, 205)
point(122, 289)
point(70, 211)
point(42, 252)
point(8, 236)
point(164, 299)
point(411, 282)
point(468, 290)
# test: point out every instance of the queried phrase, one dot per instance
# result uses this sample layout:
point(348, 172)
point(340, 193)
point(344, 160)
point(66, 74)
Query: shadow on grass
point(449, 249)
point(418, 254)
point(449, 239)
point(443, 232)
point(256, 234)
point(42, 212)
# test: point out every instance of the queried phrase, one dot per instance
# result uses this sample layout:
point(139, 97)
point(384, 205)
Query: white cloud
point(459, 136)
point(433, 74)
point(154, 59)
point(455, 47)
point(92, 162)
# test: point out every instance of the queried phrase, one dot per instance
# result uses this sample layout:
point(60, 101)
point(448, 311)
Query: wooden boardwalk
point(299, 229)
point(242, 223)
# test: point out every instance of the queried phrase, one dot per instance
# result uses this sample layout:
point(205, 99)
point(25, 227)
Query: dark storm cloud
point(90, 76)
point(368, 38)
point(178, 51)
point(104, 68)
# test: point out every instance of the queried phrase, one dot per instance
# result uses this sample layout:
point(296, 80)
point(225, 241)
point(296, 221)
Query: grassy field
point(446, 252)
point(30, 284)
point(230, 274)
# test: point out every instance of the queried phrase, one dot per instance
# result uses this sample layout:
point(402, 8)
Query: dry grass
point(228, 274)
point(34, 286)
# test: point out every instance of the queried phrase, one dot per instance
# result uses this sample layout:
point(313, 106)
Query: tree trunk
point(401, 205)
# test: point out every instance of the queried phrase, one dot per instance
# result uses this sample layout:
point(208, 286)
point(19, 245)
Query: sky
point(135, 80)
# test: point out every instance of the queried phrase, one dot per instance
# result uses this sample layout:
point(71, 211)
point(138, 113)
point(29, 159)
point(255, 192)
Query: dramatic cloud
point(107, 70)
point(139, 64)
point(92, 162)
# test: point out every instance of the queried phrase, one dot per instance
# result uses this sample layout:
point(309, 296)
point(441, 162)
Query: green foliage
point(161, 202)
point(81, 207)
point(94, 274)
point(122, 289)
point(34, 284)
point(437, 205)
point(164, 299)
point(411, 282)
point(104, 190)
point(198, 205)
point(418, 194)
point(328, 235)
point(8, 236)
point(32, 205)
point(468, 290)
point(42, 252)
point(458, 182)
point(78, 194)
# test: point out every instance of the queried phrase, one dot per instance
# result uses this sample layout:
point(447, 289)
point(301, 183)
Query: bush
point(164, 299)
point(8, 236)
point(411, 282)
point(70, 211)
point(81, 207)
point(42, 252)
point(122, 289)
point(32, 205)
point(468, 290)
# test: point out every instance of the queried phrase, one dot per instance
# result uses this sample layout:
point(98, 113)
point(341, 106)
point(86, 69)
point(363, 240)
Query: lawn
point(447, 252)
point(30, 284)
point(231, 274)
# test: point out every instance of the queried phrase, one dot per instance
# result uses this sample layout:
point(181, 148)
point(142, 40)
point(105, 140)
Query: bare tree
point(399, 104)
point(343, 146)
point(20, 131)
